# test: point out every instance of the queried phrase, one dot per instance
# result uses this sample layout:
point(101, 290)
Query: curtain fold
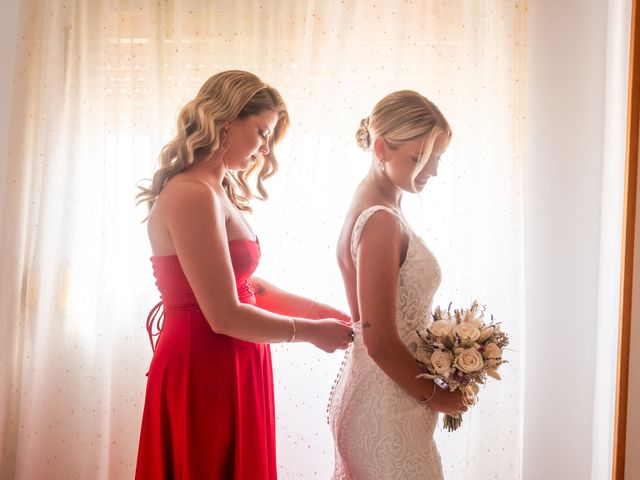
point(97, 89)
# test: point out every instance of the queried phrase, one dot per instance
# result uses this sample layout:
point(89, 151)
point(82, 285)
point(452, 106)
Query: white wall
point(566, 89)
point(614, 154)
point(8, 35)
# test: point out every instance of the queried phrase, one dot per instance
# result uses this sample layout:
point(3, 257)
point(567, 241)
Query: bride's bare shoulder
point(344, 240)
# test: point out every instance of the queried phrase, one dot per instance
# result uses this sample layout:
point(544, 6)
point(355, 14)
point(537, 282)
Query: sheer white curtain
point(98, 85)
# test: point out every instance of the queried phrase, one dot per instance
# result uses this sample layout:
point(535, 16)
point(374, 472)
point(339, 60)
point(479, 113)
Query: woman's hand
point(450, 403)
point(320, 310)
point(330, 334)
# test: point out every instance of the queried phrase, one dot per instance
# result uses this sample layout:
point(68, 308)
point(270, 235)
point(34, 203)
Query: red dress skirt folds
point(208, 411)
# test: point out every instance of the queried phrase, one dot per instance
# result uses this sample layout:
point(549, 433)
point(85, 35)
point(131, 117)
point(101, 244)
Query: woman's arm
point(379, 254)
point(196, 222)
point(276, 300)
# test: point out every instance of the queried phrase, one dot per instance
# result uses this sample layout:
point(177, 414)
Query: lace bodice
point(418, 279)
point(379, 430)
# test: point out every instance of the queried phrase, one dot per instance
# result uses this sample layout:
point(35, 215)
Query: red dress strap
point(155, 318)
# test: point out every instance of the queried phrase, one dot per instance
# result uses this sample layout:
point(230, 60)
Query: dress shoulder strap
point(360, 223)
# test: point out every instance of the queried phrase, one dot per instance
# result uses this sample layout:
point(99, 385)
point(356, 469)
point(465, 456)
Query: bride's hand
point(447, 402)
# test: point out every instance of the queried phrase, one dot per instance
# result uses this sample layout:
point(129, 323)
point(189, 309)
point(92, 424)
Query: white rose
point(468, 331)
point(441, 328)
point(491, 350)
point(468, 360)
point(441, 362)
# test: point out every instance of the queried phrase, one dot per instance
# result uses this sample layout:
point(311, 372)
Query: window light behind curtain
point(98, 87)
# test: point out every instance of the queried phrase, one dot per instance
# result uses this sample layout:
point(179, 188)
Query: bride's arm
point(379, 254)
point(276, 300)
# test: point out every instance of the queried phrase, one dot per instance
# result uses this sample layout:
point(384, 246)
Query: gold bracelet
point(424, 400)
point(293, 334)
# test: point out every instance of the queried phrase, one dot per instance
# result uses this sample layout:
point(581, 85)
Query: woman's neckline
point(229, 242)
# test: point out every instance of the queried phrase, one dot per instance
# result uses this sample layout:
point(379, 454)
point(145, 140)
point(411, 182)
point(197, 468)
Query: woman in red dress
point(208, 410)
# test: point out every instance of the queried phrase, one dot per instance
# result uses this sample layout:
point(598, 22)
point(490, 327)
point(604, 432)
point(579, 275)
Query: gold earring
point(224, 137)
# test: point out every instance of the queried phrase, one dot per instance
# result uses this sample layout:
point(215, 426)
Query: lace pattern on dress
point(379, 430)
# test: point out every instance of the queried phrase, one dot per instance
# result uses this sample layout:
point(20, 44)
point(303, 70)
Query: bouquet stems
point(452, 423)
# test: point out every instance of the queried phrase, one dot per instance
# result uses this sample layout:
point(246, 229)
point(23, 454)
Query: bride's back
point(364, 198)
point(345, 262)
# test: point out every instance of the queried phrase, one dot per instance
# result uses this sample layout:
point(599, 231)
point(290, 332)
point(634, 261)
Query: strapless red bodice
point(174, 287)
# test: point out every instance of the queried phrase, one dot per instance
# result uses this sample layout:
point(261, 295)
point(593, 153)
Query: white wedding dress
point(380, 431)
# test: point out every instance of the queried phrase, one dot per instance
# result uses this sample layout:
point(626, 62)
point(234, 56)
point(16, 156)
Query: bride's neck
point(382, 186)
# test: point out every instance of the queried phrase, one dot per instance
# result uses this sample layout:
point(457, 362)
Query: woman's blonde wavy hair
point(402, 117)
point(226, 96)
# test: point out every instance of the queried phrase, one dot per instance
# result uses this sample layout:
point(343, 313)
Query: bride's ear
point(380, 148)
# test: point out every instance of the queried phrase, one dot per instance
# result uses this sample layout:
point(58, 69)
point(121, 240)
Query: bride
point(382, 417)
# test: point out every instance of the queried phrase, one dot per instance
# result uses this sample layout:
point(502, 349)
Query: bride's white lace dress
point(379, 430)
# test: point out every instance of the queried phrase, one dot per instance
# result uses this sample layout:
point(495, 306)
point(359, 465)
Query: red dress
point(208, 411)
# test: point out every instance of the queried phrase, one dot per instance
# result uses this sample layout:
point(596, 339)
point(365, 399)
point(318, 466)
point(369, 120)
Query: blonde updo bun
point(363, 138)
point(402, 117)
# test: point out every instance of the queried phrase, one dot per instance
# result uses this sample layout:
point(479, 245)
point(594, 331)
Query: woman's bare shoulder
point(184, 184)
point(186, 196)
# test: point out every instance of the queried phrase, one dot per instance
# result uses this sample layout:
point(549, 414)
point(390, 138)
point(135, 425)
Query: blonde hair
point(222, 98)
point(402, 117)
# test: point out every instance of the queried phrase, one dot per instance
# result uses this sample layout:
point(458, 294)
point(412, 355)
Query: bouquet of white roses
point(459, 350)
